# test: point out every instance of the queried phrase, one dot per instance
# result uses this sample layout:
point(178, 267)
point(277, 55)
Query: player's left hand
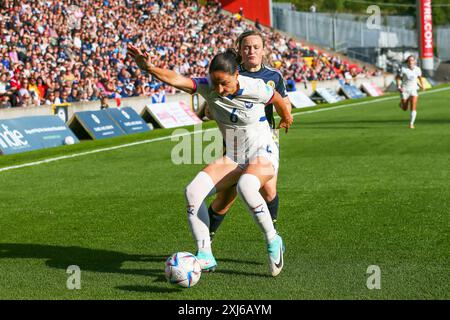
point(142, 59)
point(286, 123)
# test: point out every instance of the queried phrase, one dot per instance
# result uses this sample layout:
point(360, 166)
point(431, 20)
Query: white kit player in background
point(251, 158)
point(407, 80)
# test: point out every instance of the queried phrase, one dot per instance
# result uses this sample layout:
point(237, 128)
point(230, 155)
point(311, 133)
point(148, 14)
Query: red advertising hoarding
point(253, 9)
point(425, 29)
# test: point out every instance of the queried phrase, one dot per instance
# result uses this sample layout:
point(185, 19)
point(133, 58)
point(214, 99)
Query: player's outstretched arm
point(283, 110)
point(165, 75)
point(398, 79)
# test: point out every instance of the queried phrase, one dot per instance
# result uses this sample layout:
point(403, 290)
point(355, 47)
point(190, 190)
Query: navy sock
point(215, 220)
point(273, 208)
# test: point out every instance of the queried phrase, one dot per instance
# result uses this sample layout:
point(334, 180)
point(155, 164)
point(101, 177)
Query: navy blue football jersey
point(273, 78)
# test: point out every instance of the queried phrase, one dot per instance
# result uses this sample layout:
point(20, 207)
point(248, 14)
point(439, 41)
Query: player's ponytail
point(225, 62)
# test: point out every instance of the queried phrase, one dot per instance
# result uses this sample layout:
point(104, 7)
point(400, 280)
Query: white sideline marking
point(75, 155)
point(367, 102)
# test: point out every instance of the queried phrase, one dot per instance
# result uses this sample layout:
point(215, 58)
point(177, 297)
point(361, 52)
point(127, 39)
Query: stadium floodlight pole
point(425, 35)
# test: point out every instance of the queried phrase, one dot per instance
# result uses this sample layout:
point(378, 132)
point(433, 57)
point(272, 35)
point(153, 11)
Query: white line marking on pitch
point(75, 155)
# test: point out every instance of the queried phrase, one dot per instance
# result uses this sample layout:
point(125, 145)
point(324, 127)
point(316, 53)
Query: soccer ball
point(69, 140)
point(183, 269)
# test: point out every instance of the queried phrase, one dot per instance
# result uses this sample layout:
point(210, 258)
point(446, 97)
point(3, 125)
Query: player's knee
point(247, 183)
point(269, 192)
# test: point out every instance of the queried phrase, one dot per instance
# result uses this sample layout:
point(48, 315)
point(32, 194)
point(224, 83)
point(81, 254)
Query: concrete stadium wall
point(138, 103)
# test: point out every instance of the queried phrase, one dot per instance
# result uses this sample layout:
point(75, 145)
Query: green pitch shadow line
point(242, 273)
point(148, 289)
point(93, 260)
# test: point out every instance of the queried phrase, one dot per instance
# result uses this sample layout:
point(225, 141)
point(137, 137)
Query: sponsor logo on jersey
point(271, 83)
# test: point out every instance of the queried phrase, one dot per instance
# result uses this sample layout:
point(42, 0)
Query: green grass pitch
point(357, 188)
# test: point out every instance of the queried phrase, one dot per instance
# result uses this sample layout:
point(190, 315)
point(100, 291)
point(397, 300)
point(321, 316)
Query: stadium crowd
point(75, 50)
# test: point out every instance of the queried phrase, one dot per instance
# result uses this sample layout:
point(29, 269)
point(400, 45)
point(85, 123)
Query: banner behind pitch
point(97, 125)
point(128, 120)
point(32, 133)
point(425, 31)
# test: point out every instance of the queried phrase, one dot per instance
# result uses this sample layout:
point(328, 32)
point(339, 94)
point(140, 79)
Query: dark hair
point(409, 57)
point(226, 62)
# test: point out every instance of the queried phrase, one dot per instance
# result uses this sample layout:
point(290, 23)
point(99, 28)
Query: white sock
point(248, 189)
point(413, 116)
point(198, 216)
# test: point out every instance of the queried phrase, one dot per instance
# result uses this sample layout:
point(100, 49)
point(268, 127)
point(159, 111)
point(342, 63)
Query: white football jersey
point(241, 117)
point(409, 77)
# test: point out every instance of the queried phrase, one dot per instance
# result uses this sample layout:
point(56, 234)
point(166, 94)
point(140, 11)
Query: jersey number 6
point(233, 116)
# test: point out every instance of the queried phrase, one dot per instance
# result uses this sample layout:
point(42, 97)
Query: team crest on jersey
point(271, 83)
point(248, 105)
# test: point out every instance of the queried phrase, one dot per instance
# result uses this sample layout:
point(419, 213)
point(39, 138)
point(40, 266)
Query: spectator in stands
point(218, 6)
point(290, 85)
point(258, 25)
point(64, 96)
point(23, 88)
point(5, 101)
point(103, 102)
point(313, 8)
point(159, 96)
point(83, 97)
point(25, 100)
point(50, 99)
point(4, 83)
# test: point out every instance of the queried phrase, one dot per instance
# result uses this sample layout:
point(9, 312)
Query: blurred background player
point(251, 48)
point(407, 83)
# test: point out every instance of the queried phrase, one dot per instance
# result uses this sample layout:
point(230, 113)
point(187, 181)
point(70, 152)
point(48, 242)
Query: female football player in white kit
point(237, 104)
point(407, 85)
point(251, 49)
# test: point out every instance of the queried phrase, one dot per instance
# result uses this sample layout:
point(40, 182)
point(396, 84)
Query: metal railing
point(333, 31)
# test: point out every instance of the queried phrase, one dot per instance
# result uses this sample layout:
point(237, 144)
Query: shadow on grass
point(242, 273)
point(152, 289)
point(93, 260)
point(256, 263)
point(104, 261)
